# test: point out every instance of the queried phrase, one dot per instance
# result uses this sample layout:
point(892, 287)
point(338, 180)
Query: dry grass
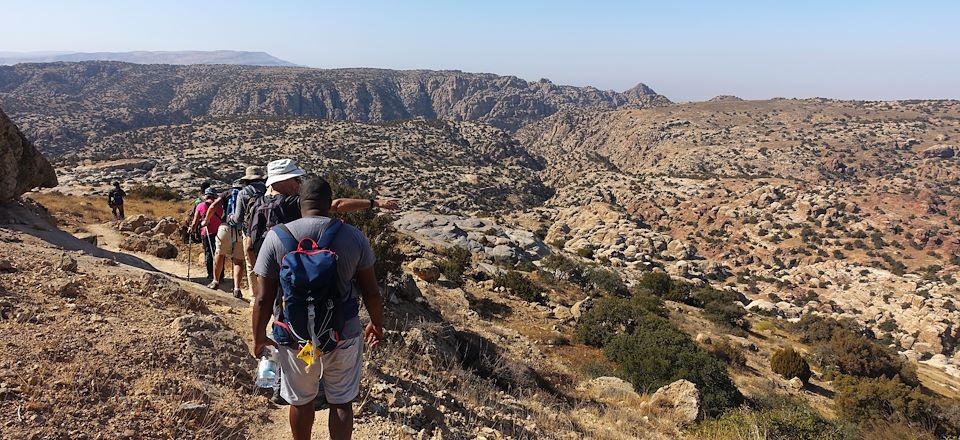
point(75, 211)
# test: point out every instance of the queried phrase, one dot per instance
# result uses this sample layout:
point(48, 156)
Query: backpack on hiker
point(231, 207)
point(311, 309)
point(267, 211)
point(114, 198)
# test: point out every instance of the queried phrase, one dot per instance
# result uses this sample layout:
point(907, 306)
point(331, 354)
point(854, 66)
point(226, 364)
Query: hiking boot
point(277, 399)
point(237, 294)
point(213, 285)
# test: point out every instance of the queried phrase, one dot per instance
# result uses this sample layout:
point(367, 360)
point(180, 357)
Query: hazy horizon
point(690, 52)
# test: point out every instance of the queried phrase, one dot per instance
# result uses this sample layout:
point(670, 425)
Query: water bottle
point(267, 368)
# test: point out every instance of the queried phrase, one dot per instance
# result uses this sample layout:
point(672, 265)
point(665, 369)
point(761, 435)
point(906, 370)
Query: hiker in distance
point(115, 201)
point(345, 272)
point(208, 231)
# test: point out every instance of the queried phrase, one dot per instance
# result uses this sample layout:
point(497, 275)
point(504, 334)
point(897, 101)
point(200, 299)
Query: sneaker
point(213, 284)
point(277, 398)
point(237, 294)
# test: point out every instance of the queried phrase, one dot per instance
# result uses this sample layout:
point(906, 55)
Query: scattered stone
point(608, 389)
point(796, 383)
point(67, 263)
point(7, 266)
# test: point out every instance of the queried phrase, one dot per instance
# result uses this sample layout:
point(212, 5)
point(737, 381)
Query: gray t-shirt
point(353, 253)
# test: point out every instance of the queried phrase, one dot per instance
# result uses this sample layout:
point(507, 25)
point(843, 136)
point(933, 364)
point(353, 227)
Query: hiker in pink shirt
point(208, 231)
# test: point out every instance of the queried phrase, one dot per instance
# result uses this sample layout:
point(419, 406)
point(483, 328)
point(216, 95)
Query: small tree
point(789, 364)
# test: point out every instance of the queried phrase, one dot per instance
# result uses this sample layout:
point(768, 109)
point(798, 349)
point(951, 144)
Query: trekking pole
point(189, 253)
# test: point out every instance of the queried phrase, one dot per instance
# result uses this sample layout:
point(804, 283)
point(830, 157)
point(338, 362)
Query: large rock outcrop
point(22, 167)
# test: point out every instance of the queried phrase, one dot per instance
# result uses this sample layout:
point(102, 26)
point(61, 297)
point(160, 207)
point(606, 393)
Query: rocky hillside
point(63, 105)
point(806, 140)
point(844, 209)
point(452, 166)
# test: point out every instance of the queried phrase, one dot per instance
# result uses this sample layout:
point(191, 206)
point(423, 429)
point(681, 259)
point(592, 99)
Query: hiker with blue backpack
point(312, 273)
point(229, 242)
point(281, 204)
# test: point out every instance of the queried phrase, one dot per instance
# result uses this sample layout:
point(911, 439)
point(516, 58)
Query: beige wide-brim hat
point(252, 173)
point(282, 169)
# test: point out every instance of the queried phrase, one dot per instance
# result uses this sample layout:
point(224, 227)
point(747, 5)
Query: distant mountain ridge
point(181, 57)
point(64, 105)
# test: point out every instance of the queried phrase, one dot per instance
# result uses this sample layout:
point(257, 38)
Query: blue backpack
point(231, 207)
point(311, 307)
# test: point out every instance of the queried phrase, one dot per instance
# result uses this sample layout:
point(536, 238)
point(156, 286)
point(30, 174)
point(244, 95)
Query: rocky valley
point(548, 234)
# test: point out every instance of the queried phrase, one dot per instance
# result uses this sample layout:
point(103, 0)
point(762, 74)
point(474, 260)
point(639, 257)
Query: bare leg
point(301, 421)
point(238, 273)
point(341, 421)
point(218, 262)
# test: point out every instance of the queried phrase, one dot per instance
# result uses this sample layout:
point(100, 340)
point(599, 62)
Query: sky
point(685, 50)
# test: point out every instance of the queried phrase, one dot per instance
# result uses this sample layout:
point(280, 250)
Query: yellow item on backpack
point(308, 355)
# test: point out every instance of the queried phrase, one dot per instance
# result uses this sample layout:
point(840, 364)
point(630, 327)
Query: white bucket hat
point(282, 169)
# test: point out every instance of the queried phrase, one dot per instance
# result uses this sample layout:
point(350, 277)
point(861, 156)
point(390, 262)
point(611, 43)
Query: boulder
point(131, 224)
point(680, 397)
point(679, 250)
point(581, 307)
point(424, 269)
point(939, 151)
point(166, 226)
point(158, 248)
point(22, 167)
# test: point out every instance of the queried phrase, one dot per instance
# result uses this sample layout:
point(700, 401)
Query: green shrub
point(858, 356)
point(454, 262)
point(656, 354)
point(611, 316)
point(728, 354)
point(779, 418)
point(866, 400)
point(519, 285)
point(606, 281)
point(155, 192)
point(658, 283)
point(721, 307)
point(789, 364)
point(585, 253)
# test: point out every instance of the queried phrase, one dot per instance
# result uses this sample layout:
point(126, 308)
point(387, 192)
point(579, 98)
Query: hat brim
point(281, 177)
point(252, 177)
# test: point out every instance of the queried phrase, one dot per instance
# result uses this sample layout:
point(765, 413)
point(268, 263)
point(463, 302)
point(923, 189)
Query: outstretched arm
point(343, 206)
point(374, 304)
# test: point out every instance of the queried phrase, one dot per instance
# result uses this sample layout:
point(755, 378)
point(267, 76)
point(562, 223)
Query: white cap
point(282, 169)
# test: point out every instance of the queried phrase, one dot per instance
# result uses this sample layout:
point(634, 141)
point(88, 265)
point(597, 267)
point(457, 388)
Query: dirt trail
point(235, 312)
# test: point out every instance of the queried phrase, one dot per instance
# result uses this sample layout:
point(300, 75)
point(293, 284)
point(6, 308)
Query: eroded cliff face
point(22, 167)
point(64, 105)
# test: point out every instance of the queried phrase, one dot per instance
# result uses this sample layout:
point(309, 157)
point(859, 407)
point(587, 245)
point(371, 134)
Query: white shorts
point(341, 374)
point(229, 243)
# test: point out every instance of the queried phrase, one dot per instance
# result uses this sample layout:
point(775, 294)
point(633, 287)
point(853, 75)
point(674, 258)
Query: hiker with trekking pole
point(206, 239)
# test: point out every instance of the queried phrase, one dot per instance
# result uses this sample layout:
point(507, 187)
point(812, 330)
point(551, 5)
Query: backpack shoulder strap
point(286, 237)
point(329, 233)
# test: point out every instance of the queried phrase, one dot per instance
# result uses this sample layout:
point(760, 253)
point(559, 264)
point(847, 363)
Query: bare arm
point(374, 304)
point(213, 206)
point(353, 205)
point(262, 311)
